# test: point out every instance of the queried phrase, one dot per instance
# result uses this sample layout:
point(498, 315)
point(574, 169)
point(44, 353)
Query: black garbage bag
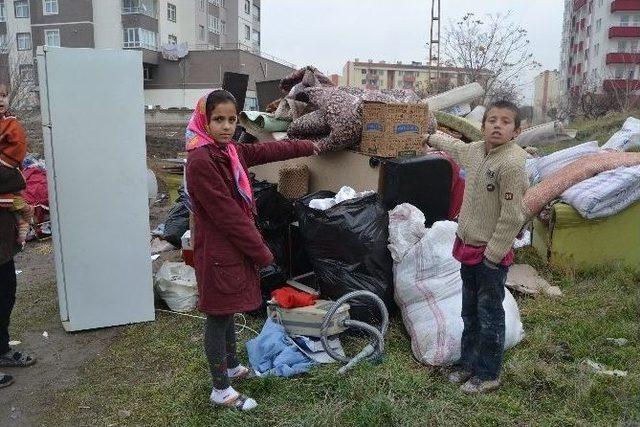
point(275, 213)
point(347, 245)
point(177, 222)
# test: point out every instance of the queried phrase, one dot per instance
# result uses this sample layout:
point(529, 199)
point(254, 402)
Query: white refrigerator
point(92, 104)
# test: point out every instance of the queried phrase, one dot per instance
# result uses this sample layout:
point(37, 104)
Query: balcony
point(624, 32)
point(577, 4)
point(621, 84)
point(142, 7)
point(623, 58)
point(625, 6)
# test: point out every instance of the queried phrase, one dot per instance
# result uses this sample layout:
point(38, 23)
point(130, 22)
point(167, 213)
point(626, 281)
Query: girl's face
point(222, 124)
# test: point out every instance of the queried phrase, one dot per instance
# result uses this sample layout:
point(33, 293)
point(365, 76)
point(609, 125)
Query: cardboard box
point(392, 130)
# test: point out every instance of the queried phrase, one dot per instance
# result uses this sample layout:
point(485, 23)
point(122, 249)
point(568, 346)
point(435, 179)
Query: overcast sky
point(328, 33)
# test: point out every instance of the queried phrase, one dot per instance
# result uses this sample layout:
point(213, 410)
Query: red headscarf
point(198, 135)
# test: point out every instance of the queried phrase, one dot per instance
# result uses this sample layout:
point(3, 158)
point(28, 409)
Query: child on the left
point(13, 149)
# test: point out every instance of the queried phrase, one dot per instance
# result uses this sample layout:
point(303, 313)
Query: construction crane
point(433, 62)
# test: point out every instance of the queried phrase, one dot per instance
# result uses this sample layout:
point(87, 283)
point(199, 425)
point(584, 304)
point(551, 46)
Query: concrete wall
point(167, 117)
point(179, 98)
point(205, 69)
point(108, 24)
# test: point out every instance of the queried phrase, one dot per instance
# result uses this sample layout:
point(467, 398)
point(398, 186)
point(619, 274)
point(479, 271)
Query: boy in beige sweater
point(490, 219)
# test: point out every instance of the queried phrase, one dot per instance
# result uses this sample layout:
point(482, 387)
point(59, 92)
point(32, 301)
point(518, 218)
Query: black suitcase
point(423, 181)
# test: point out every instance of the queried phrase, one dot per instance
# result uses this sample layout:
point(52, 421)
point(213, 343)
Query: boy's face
point(4, 99)
point(222, 124)
point(500, 126)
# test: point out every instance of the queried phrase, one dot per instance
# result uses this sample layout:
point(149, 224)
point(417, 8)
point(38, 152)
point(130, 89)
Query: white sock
point(232, 373)
point(222, 396)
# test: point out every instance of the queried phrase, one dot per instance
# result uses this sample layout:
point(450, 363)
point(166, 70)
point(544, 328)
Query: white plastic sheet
point(176, 285)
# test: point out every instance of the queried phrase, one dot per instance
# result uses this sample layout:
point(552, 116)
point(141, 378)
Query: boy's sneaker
point(476, 385)
point(459, 376)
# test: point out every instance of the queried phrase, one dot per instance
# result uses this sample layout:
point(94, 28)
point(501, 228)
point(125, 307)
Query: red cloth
point(36, 192)
point(228, 248)
point(291, 298)
point(457, 190)
point(473, 255)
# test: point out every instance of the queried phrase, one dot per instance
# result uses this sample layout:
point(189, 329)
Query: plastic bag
point(177, 221)
point(627, 138)
point(176, 285)
point(275, 213)
point(428, 290)
point(347, 246)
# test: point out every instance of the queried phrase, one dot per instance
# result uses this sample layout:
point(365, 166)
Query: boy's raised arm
point(456, 148)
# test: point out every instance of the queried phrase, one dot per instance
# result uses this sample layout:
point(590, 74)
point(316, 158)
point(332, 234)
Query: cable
point(242, 325)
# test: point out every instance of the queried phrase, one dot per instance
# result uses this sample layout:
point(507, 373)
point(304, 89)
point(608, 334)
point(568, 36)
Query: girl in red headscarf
point(228, 248)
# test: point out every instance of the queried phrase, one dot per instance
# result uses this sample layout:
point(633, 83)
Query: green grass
point(599, 129)
point(157, 372)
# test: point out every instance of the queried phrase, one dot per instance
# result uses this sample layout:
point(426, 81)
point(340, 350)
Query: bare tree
point(495, 51)
point(17, 71)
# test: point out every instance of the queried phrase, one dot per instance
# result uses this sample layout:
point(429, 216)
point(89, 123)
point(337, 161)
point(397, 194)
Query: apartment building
point(600, 45)
point(414, 75)
point(545, 95)
point(207, 26)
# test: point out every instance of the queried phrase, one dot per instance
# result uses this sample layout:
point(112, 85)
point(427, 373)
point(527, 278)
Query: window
point(26, 72)
point(596, 49)
point(171, 12)
point(50, 7)
point(139, 37)
point(619, 72)
point(23, 41)
point(3, 15)
point(247, 7)
point(598, 25)
point(223, 27)
point(624, 20)
point(173, 39)
point(364, 71)
point(201, 32)
point(202, 5)
point(600, 2)
point(364, 81)
point(636, 20)
point(634, 46)
point(256, 36)
point(622, 45)
point(147, 72)
point(586, 54)
point(52, 38)
point(145, 7)
point(21, 8)
point(4, 43)
point(256, 12)
point(214, 24)
point(247, 32)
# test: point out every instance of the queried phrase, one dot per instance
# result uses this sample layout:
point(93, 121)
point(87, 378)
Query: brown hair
point(216, 97)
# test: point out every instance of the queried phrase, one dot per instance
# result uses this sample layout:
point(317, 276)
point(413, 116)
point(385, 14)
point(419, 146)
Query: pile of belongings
point(331, 115)
point(597, 181)
point(428, 287)
point(276, 352)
